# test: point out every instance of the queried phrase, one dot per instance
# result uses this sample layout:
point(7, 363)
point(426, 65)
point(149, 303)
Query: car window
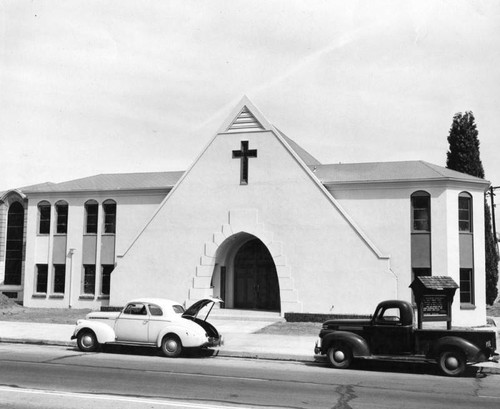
point(135, 309)
point(390, 315)
point(155, 310)
point(178, 309)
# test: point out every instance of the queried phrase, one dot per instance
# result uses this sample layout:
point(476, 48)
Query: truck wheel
point(171, 346)
point(452, 362)
point(339, 356)
point(87, 341)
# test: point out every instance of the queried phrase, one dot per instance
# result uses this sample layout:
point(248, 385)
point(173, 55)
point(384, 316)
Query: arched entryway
point(256, 283)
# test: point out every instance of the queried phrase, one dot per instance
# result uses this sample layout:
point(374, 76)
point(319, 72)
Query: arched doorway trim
point(243, 221)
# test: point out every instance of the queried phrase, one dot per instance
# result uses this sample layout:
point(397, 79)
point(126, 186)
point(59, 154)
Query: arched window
point(109, 207)
point(44, 217)
point(62, 217)
point(14, 244)
point(421, 211)
point(91, 214)
point(465, 212)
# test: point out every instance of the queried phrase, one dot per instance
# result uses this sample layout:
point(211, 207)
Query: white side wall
point(384, 212)
point(133, 210)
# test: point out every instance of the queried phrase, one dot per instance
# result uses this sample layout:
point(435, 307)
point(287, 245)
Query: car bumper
point(214, 342)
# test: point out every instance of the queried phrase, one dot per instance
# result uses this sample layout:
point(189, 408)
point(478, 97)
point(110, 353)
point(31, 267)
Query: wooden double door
point(256, 281)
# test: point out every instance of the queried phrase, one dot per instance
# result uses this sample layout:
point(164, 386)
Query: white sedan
point(150, 322)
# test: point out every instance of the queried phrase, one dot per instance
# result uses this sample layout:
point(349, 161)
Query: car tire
point(339, 355)
point(452, 362)
point(87, 341)
point(171, 346)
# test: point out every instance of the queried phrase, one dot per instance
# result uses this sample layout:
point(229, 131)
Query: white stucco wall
point(384, 212)
point(132, 212)
point(323, 255)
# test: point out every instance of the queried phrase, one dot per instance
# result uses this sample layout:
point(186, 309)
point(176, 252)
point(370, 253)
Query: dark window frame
point(88, 279)
point(109, 209)
point(62, 212)
point(106, 270)
point(91, 216)
point(465, 224)
point(59, 278)
point(44, 216)
point(421, 212)
point(41, 282)
point(467, 286)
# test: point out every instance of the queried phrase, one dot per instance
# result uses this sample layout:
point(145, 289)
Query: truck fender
point(357, 343)
point(103, 332)
point(471, 351)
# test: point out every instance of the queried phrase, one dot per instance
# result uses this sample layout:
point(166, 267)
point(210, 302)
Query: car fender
point(190, 336)
point(357, 343)
point(471, 351)
point(103, 332)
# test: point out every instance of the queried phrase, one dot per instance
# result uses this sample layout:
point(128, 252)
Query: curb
point(486, 368)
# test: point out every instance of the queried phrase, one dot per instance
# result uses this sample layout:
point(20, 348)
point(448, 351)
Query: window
point(14, 245)
point(421, 212)
point(89, 279)
point(178, 309)
point(135, 309)
point(155, 310)
point(466, 286)
point(389, 316)
point(44, 218)
point(91, 213)
point(41, 278)
point(109, 207)
point(59, 278)
point(62, 217)
point(465, 213)
point(106, 270)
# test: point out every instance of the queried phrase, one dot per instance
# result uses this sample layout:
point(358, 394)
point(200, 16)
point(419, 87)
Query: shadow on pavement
point(396, 367)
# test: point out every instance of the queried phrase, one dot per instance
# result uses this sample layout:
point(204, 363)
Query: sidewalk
point(240, 340)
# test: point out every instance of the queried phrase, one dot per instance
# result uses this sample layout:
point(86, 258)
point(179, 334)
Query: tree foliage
point(463, 156)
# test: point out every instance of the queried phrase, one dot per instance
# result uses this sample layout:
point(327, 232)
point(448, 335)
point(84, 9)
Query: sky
point(90, 87)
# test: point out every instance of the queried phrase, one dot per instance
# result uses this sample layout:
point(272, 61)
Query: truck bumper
point(317, 347)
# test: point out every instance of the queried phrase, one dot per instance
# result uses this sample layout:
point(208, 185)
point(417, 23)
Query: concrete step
point(245, 315)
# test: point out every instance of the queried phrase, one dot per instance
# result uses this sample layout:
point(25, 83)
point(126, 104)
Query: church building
point(255, 220)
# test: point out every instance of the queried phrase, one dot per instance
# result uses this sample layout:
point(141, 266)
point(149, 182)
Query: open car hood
point(193, 311)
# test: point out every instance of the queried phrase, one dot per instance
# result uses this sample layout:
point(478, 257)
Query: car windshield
point(178, 309)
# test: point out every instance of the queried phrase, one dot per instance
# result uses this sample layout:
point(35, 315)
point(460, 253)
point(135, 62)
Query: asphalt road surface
point(58, 377)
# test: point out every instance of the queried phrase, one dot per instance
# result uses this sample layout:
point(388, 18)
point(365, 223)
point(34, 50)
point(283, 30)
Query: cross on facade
point(243, 155)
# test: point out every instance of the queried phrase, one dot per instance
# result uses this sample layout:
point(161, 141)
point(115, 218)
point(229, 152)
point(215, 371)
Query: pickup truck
point(391, 335)
point(152, 322)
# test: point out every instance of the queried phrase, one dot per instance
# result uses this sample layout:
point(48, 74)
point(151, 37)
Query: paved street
point(55, 377)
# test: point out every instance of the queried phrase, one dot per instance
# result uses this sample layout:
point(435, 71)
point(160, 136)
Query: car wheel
point(87, 341)
point(339, 356)
point(452, 362)
point(171, 346)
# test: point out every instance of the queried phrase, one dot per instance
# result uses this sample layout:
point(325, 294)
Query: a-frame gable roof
point(249, 119)
point(245, 117)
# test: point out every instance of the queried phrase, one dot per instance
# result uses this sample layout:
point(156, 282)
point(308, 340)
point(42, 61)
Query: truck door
point(132, 324)
point(389, 335)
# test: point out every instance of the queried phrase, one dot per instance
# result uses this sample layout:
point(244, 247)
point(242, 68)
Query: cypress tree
point(463, 156)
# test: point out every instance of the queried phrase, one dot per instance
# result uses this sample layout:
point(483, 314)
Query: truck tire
point(87, 341)
point(339, 355)
point(452, 362)
point(171, 346)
